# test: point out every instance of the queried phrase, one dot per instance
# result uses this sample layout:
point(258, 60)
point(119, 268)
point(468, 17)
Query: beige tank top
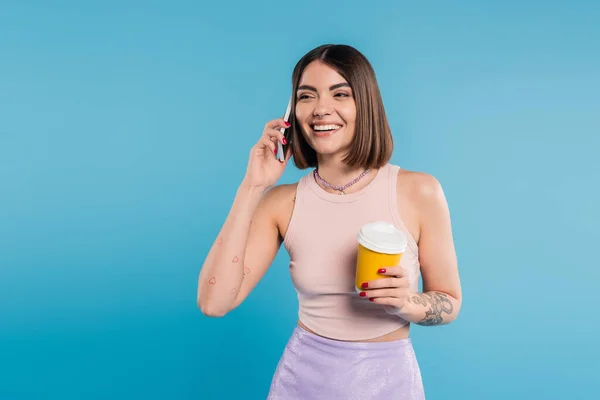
point(321, 243)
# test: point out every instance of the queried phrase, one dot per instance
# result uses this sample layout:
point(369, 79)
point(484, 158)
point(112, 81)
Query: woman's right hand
point(264, 169)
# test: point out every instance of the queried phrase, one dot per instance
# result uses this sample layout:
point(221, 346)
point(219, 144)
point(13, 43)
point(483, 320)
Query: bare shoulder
point(419, 186)
point(278, 201)
point(280, 193)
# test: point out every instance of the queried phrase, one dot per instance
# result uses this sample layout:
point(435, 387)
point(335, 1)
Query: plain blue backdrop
point(125, 128)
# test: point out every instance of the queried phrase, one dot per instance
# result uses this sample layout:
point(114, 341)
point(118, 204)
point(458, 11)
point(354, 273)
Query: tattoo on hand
point(212, 280)
point(438, 303)
point(235, 259)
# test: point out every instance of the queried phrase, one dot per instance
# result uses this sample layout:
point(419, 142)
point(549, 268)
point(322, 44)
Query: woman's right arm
point(249, 239)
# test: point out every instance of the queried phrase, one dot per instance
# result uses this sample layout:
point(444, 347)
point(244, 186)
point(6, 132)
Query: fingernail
point(381, 270)
point(288, 124)
point(362, 294)
point(364, 285)
point(275, 151)
point(283, 141)
point(371, 299)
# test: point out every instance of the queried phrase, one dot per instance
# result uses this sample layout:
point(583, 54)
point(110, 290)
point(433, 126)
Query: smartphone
point(281, 149)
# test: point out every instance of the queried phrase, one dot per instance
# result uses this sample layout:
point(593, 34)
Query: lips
point(324, 133)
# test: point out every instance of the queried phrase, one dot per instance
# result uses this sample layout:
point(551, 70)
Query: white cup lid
point(382, 237)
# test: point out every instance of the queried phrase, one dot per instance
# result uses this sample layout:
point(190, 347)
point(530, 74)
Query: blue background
point(125, 128)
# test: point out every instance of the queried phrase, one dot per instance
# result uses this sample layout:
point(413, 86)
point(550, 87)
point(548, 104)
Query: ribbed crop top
point(321, 242)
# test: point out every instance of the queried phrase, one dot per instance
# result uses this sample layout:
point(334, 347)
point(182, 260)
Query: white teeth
point(326, 127)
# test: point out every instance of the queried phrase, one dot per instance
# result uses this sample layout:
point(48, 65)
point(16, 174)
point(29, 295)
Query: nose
point(323, 107)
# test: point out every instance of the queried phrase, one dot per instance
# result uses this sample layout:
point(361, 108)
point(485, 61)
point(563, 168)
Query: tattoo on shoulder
point(438, 303)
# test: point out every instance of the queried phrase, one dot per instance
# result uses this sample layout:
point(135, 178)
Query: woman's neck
point(335, 172)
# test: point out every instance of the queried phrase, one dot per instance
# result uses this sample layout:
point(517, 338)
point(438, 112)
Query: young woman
point(347, 345)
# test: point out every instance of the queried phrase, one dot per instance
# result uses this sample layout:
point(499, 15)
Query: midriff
point(398, 334)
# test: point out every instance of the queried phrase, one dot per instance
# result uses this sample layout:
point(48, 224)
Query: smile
point(325, 130)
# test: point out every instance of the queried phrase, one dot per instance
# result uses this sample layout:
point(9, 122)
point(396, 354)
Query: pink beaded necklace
point(340, 189)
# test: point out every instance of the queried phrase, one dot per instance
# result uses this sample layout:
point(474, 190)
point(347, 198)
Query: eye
point(303, 96)
point(342, 94)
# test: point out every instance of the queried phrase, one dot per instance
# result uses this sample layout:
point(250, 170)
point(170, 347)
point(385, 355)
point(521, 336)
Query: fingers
point(397, 302)
point(273, 129)
point(277, 124)
point(386, 283)
point(392, 296)
point(393, 271)
point(275, 135)
point(272, 134)
point(268, 143)
point(375, 293)
point(391, 290)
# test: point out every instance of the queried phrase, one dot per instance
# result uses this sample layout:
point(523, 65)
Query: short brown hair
point(372, 144)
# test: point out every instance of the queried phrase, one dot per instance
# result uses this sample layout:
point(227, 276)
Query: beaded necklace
point(340, 189)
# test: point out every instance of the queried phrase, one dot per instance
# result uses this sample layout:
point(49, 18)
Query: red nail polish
point(362, 294)
point(371, 299)
point(364, 285)
point(283, 141)
point(275, 151)
point(288, 124)
point(381, 270)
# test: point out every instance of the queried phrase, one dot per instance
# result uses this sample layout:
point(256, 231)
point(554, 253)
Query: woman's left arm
point(441, 299)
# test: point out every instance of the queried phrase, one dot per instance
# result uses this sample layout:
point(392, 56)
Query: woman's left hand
point(391, 291)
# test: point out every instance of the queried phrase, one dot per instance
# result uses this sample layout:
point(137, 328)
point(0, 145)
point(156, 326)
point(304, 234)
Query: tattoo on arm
point(438, 303)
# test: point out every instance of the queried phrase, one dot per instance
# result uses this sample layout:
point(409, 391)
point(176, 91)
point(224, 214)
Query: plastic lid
point(382, 237)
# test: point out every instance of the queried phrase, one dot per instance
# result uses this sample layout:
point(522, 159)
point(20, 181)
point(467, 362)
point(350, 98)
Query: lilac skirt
point(313, 368)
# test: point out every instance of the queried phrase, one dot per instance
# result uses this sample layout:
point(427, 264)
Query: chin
point(331, 149)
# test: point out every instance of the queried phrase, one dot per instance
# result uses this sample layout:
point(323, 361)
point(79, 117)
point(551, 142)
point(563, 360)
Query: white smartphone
point(280, 151)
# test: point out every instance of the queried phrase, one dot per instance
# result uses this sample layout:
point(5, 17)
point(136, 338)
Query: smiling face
point(338, 112)
point(325, 109)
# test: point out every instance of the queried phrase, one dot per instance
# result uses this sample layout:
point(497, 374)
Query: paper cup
point(380, 245)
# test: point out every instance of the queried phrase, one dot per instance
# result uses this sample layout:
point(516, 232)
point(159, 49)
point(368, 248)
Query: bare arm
point(249, 238)
point(223, 269)
point(441, 299)
point(264, 238)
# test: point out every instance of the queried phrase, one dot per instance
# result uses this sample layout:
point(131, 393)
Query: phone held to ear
point(280, 149)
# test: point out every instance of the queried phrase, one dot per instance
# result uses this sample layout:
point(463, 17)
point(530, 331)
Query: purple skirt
point(313, 368)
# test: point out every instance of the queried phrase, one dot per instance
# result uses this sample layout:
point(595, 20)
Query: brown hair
point(372, 144)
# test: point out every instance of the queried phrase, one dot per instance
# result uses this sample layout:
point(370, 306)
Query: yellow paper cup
point(380, 245)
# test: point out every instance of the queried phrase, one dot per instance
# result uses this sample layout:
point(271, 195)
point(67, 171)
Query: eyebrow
point(332, 87)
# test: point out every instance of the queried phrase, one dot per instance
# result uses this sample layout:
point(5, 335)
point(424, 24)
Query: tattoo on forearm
point(235, 259)
point(438, 303)
point(212, 280)
point(417, 300)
